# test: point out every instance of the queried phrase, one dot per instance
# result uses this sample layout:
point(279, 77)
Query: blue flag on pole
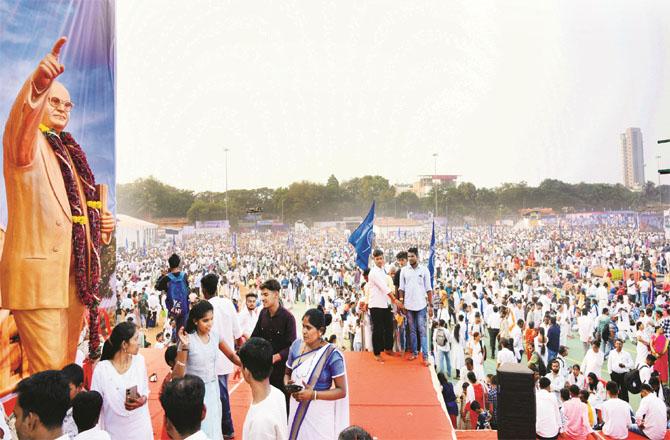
point(431, 259)
point(361, 239)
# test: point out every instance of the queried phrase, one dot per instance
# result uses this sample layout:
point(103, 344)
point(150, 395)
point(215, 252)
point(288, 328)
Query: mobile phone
point(292, 388)
point(132, 394)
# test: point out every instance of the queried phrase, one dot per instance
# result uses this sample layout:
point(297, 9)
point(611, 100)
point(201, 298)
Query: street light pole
point(660, 171)
point(434, 185)
point(226, 151)
point(660, 194)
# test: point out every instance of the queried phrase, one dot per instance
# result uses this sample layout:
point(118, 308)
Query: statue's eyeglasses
point(57, 102)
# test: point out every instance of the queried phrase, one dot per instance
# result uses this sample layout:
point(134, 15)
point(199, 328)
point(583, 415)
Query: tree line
point(149, 198)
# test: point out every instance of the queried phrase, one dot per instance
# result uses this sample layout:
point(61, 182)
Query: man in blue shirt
point(553, 338)
point(416, 293)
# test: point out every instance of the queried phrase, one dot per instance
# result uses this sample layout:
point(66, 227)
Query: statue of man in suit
point(50, 268)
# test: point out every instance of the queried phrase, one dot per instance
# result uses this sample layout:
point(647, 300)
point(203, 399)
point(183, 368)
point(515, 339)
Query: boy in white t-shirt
point(266, 418)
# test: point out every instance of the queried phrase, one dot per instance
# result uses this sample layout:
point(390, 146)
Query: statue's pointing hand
point(50, 67)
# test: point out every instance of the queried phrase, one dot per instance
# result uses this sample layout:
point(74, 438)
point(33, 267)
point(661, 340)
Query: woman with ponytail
point(199, 345)
point(320, 408)
point(121, 379)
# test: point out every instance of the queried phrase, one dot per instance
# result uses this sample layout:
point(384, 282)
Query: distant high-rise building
point(633, 158)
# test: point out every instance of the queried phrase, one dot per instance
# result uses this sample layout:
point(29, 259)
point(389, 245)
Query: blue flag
point(431, 259)
point(361, 239)
point(234, 241)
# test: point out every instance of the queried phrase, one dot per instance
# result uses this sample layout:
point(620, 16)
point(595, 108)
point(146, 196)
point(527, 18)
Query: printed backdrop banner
point(28, 31)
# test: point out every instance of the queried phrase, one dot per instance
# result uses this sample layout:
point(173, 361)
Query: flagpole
point(434, 185)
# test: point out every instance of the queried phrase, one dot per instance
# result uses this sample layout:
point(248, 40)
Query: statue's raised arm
point(26, 115)
point(50, 67)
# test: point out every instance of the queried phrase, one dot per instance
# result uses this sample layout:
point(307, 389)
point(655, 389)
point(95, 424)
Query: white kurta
point(115, 419)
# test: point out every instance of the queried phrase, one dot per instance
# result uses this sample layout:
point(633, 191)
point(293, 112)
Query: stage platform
point(394, 400)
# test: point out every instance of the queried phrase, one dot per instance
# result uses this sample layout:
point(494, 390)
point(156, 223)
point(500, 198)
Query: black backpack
point(632, 381)
point(606, 333)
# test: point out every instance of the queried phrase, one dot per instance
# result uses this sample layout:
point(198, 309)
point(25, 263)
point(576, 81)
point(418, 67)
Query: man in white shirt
point(619, 363)
point(127, 304)
point(34, 419)
point(381, 297)
point(593, 360)
point(227, 326)
point(493, 324)
point(183, 401)
point(646, 368)
point(585, 326)
point(248, 315)
point(556, 378)
point(651, 417)
point(266, 418)
point(505, 355)
point(615, 413)
point(602, 294)
point(562, 359)
point(517, 336)
point(476, 325)
point(645, 287)
point(416, 291)
point(548, 417)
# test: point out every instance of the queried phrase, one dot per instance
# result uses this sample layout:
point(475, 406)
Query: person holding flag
point(416, 293)
point(361, 239)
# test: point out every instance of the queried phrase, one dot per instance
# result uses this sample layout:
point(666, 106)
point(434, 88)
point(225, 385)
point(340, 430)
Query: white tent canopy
point(133, 232)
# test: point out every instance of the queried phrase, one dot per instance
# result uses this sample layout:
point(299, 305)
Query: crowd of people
point(498, 296)
point(503, 294)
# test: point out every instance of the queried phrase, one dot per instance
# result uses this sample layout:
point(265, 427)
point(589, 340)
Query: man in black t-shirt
point(174, 262)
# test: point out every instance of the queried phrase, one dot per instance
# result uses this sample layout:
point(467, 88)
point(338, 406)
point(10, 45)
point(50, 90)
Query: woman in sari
point(529, 340)
point(321, 409)
point(659, 348)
